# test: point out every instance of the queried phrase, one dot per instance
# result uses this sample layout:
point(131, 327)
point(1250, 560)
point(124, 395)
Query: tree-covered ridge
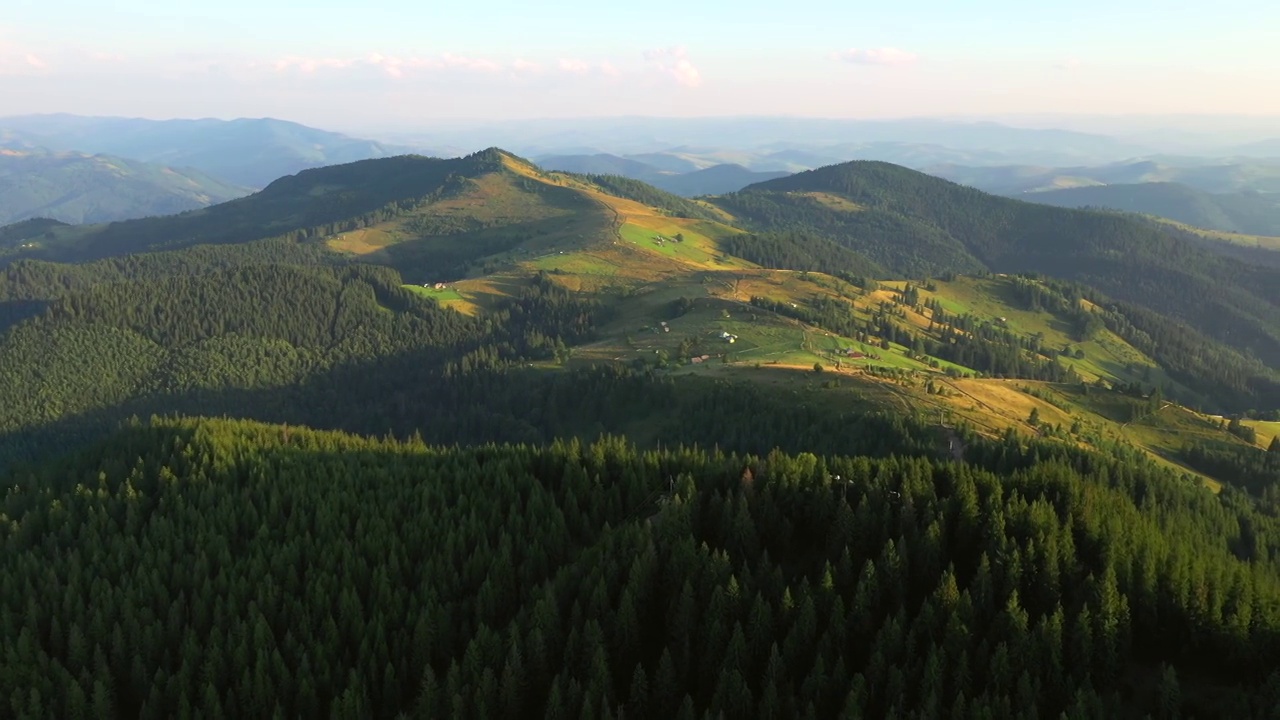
point(77, 187)
point(226, 568)
point(918, 225)
point(1251, 213)
point(1224, 376)
point(255, 340)
point(799, 251)
point(313, 202)
point(26, 230)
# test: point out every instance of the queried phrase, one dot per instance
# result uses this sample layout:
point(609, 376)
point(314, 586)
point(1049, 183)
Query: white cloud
point(876, 56)
point(674, 62)
point(470, 63)
point(575, 66)
point(310, 65)
point(15, 59)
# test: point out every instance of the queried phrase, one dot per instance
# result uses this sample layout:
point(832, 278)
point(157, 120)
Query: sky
point(392, 64)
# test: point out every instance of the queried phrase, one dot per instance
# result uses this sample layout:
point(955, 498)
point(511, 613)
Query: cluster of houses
point(856, 354)
point(728, 337)
point(435, 286)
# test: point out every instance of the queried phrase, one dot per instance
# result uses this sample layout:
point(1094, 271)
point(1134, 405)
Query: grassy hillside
point(79, 188)
point(321, 201)
point(918, 225)
point(250, 323)
point(1241, 213)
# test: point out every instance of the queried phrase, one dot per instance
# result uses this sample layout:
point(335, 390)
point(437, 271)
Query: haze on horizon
point(397, 64)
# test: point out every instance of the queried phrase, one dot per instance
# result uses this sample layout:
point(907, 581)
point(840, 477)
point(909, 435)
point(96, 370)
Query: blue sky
point(401, 63)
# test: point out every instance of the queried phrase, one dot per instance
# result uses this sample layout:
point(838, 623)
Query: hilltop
point(75, 187)
point(309, 200)
point(917, 225)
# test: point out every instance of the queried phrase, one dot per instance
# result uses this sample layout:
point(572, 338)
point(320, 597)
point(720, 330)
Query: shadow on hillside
point(407, 394)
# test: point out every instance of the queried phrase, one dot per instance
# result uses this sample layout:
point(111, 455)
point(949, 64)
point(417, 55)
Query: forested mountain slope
point(210, 567)
point(828, 492)
point(1226, 175)
point(310, 199)
point(920, 225)
point(1248, 213)
point(572, 274)
point(80, 188)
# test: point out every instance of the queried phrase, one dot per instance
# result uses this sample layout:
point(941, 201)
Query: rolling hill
point(1245, 213)
point(435, 438)
point(243, 152)
point(259, 306)
point(919, 225)
point(79, 188)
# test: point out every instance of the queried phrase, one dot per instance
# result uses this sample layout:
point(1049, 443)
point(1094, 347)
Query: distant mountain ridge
point(1249, 213)
point(76, 187)
point(671, 172)
point(246, 152)
point(1222, 175)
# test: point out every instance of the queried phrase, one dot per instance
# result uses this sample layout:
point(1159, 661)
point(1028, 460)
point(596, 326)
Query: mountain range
point(1250, 213)
point(492, 214)
point(678, 174)
point(77, 187)
point(429, 437)
point(243, 152)
point(1208, 174)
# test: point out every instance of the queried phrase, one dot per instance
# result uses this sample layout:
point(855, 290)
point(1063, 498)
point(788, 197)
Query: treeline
point(1244, 467)
point(233, 569)
point(962, 340)
point(1225, 378)
point(259, 340)
point(799, 251)
point(917, 226)
point(902, 246)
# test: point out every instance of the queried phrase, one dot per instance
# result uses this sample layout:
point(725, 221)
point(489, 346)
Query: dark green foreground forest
point(232, 569)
